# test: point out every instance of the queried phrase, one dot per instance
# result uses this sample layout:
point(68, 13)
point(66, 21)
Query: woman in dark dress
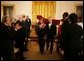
point(41, 34)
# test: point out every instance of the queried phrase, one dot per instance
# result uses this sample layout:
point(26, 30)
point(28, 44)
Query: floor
point(33, 53)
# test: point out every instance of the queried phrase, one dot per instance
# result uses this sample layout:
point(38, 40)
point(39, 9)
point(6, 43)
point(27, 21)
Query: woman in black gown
point(41, 29)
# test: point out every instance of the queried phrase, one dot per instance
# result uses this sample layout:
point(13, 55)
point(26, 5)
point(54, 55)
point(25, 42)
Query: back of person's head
point(73, 17)
point(27, 16)
point(49, 17)
point(23, 16)
point(19, 23)
point(12, 24)
point(65, 14)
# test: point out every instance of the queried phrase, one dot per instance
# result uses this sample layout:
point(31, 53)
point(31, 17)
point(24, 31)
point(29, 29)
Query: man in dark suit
point(65, 21)
point(7, 52)
point(51, 33)
point(29, 23)
point(19, 19)
point(71, 38)
point(20, 38)
point(26, 23)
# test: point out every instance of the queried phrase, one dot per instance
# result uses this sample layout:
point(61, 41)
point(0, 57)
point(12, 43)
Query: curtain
point(44, 8)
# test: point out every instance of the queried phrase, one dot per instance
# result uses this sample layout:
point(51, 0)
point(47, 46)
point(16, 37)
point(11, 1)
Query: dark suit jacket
point(6, 41)
point(20, 37)
point(29, 22)
point(26, 24)
point(40, 31)
point(52, 31)
point(64, 26)
point(71, 37)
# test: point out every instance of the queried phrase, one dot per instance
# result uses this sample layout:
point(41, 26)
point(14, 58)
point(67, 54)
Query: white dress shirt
point(81, 24)
point(50, 25)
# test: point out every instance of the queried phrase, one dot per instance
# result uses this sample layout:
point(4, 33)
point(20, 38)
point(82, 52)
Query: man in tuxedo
point(51, 33)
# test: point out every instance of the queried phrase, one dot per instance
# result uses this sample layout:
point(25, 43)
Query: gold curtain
point(44, 8)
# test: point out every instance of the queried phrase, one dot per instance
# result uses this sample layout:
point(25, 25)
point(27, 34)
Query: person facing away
point(20, 38)
point(41, 34)
point(65, 16)
point(28, 25)
point(19, 19)
point(51, 34)
point(7, 51)
point(29, 22)
point(66, 21)
point(26, 22)
point(71, 38)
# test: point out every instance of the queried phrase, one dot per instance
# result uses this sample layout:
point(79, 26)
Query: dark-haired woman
point(41, 34)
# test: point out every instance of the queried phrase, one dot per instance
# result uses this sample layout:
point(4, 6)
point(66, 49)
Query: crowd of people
point(71, 39)
point(15, 35)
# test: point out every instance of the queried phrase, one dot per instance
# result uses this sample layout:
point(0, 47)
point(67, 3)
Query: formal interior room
point(41, 30)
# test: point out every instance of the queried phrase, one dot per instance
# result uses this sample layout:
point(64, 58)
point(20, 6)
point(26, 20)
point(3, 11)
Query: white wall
point(20, 7)
point(66, 6)
point(25, 7)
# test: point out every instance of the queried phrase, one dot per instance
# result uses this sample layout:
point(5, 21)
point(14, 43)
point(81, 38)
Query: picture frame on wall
point(79, 10)
point(8, 10)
